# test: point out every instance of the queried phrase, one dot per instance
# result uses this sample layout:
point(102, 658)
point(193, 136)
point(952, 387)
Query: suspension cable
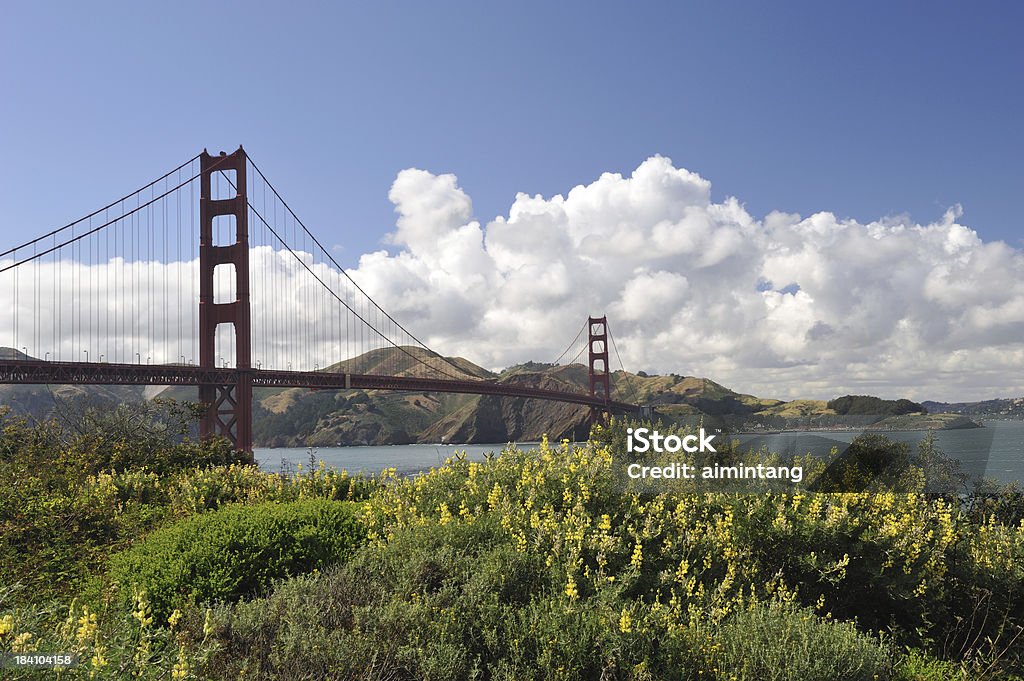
point(350, 309)
point(570, 346)
point(100, 210)
point(36, 256)
point(621, 365)
point(346, 274)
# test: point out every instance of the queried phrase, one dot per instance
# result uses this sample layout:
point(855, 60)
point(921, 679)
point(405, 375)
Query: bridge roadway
point(94, 373)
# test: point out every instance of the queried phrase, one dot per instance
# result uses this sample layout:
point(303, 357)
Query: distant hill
point(11, 353)
point(1005, 408)
point(411, 360)
point(42, 401)
point(861, 405)
point(300, 417)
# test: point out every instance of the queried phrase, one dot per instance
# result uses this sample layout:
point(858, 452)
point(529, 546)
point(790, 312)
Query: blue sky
point(863, 109)
point(841, 113)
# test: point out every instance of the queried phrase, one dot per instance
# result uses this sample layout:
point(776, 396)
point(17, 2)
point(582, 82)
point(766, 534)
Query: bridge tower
point(600, 385)
point(228, 404)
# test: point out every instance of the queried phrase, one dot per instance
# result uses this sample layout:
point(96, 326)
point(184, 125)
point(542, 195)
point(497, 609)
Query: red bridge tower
point(228, 405)
point(600, 385)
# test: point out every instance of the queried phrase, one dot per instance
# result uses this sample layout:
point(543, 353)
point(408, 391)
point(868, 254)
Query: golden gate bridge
point(206, 277)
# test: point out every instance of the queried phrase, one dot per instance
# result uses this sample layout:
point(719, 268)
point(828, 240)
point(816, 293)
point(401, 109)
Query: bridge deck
point(38, 372)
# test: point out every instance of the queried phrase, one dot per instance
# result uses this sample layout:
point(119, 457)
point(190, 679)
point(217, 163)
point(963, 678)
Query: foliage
point(93, 437)
point(942, 475)
point(52, 541)
point(441, 602)
point(867, 405)
point(871, 462)
point(773, 642)
point(59, 521)
point(532, 565)
point(457, 602)
point(537, 565)
point(203, 489)
point(905, 561)
point(110, 642)
point(60, 511)
point(236, 551)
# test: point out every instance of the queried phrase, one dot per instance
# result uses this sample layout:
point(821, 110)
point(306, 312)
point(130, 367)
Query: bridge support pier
point(600, 383)
point(228, 406)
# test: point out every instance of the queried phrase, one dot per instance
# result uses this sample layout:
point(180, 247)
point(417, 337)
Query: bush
point(917, 666)
point(908, 563)
point(235, 552)
point(458, 601)
point(91, 438)
point(53, 540)
point(537, 565)
point(442, 602)
point(775, 643)
point(205, 489)
point(73, 490)
point(112, 643)
point(531, 565)
point(60, 520)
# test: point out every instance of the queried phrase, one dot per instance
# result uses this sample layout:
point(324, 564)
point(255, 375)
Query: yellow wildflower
point(625, 622)
point(86, 626)
point(143, 612)
point(98, 661)
point(175, 617)
point(208, 624)
point(22, 643)
point(495, 496)
point(6, 625)
point(638, 556)
point(570, 589)
point(180, 669)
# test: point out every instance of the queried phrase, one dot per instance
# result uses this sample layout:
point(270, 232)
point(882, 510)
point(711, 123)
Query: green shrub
point(55, 539)
point(916, 666)
point(113, 641)
point(236, 551)
point(536, 565)
point(459, 601)
point(203, 489)
point(776, 643)
point(75, 489)
point(65, 510)
point(914, 565)
point(440, 602)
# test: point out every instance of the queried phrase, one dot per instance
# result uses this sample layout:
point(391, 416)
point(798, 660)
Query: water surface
point(995, 451)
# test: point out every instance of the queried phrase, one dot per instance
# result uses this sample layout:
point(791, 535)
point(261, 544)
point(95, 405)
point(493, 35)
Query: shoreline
point(852, 430)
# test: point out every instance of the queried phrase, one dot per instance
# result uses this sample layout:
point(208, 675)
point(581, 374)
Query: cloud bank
point(779, 305)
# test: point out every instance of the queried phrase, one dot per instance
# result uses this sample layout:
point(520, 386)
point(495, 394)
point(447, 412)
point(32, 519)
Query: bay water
point(995, 451)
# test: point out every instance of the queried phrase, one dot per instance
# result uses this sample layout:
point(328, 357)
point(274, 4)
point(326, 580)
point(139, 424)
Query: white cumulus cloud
point(778, 305)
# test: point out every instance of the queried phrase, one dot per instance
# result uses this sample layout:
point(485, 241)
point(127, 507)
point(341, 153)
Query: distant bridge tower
point(600, 384)
point(228, 405)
